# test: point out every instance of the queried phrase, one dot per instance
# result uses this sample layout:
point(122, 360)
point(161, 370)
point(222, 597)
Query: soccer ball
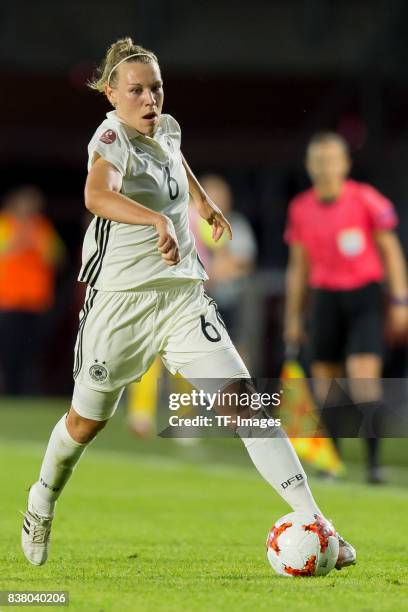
point(302, 544)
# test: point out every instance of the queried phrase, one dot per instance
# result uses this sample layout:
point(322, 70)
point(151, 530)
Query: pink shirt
point(339, 236)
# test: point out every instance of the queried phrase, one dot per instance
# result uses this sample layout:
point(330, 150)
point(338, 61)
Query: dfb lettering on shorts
point(290, 481)
point(47, 486)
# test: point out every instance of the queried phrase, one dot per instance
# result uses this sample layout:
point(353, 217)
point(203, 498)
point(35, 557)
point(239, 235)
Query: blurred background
point(250, 83)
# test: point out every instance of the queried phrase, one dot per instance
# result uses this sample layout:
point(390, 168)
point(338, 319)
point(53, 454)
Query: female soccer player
point(145, 295)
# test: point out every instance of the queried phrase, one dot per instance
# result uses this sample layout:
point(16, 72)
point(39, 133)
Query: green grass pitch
point(139, 531)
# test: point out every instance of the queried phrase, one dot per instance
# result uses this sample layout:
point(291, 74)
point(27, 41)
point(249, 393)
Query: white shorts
point(121, 333)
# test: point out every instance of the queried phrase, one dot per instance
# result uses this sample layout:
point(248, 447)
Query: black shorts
point(344, 323)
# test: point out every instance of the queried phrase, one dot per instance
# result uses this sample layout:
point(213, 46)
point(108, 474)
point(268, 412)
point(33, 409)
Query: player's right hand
point(168, 243)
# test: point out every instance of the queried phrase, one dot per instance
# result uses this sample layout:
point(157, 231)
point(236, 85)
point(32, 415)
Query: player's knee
point(81, 429)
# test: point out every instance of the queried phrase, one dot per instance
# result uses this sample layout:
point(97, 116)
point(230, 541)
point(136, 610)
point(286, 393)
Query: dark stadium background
point(249, 83)
point(169, 524)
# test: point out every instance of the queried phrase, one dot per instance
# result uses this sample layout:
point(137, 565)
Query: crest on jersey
point(98, 372)
point(351, 242)
point(108, 137)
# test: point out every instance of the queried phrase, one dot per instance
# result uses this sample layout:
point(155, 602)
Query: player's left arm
point(396, 275)
point(207, 209)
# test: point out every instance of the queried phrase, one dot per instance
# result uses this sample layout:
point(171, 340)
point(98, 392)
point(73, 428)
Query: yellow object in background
point(143, 399)
point(301, 415)
point(205, 234)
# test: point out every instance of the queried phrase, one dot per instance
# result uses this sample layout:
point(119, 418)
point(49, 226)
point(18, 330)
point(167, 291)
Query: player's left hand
point(398, 317)
point(214, 217)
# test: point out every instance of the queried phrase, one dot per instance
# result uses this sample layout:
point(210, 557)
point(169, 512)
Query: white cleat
point(35, 535)
point(347, 554)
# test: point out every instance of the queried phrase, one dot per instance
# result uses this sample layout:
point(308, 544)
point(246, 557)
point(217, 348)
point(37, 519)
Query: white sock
point(60, 459)
point(276, 460)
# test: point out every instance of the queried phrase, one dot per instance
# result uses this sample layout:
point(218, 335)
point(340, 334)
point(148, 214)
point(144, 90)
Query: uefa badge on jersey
point(108, 137)
point(351, 242)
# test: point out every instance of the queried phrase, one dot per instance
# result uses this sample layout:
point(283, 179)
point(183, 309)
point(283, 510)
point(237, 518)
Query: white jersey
point(120, 256)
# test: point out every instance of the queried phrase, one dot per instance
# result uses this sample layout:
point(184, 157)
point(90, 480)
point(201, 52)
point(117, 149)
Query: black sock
point(330, 416)
point(371, 430)
point(373, 447)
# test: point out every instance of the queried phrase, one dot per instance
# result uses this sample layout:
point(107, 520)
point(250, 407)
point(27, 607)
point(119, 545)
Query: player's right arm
point(296, 287)
point(103, 199)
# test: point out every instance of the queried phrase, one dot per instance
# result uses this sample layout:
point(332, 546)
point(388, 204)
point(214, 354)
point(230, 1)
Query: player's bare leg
point(69, 439)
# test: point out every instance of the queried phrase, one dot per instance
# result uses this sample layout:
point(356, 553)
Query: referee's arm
point(394, 262)
point(396, 275)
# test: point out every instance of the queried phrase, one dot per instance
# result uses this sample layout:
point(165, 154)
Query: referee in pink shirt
point(343, 246)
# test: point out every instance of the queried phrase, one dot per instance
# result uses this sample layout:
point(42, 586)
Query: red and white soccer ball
point(302, 544)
